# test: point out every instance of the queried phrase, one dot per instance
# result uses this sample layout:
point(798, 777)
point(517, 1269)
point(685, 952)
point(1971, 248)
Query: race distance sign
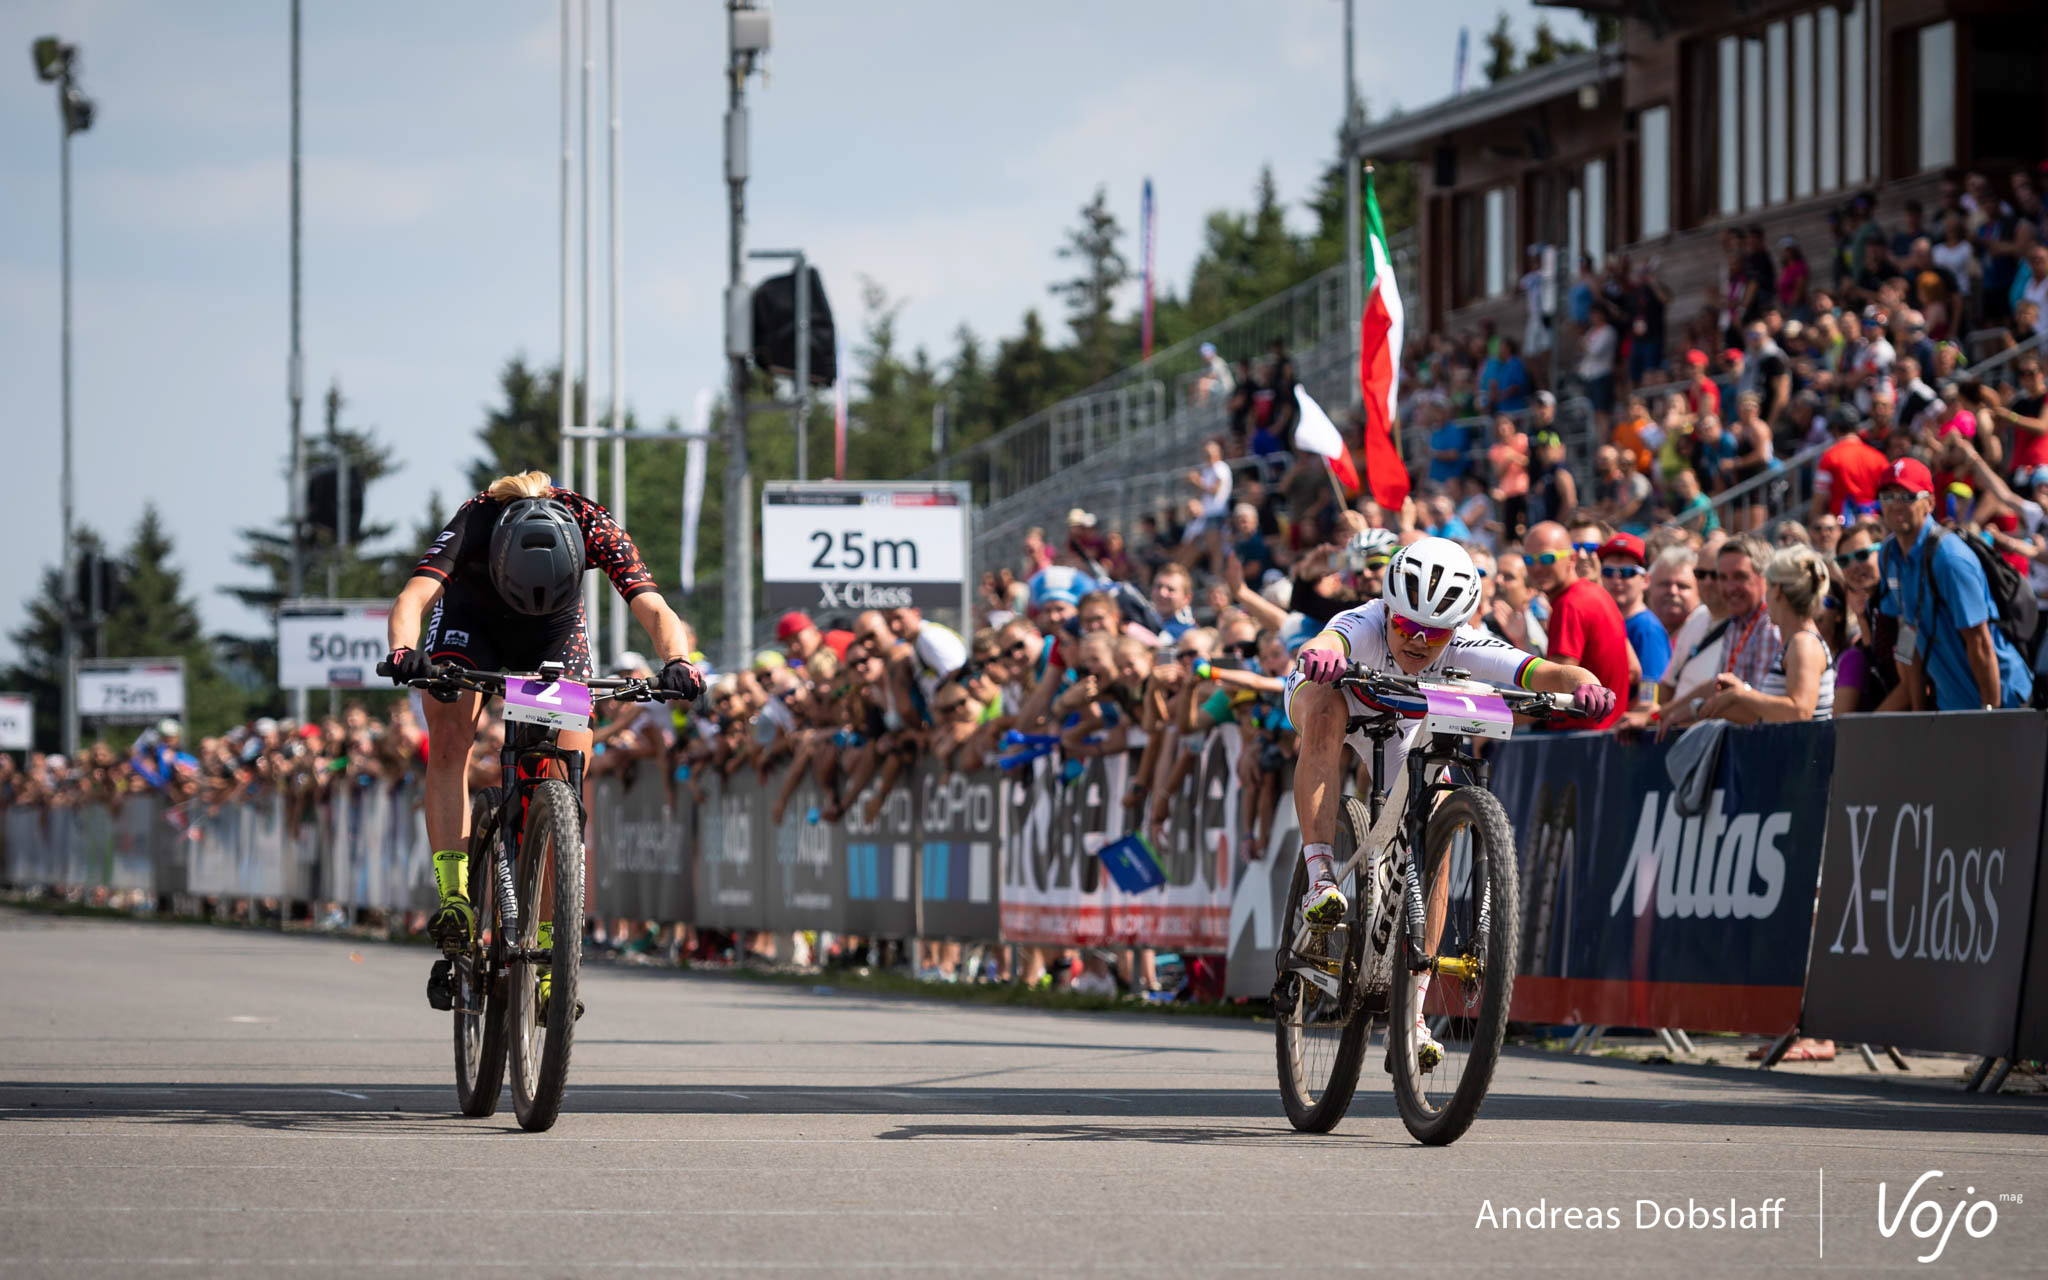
point(834, 548)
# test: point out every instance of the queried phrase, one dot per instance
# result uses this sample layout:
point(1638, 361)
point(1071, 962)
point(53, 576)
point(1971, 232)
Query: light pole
point(57, 63)
point(1351, 280)
point(747, 39)
point(617, 629)
point(295, 378)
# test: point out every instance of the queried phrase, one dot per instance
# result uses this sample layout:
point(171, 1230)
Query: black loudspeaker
point(323, 497)
point(775, 328)
point(1446, 167)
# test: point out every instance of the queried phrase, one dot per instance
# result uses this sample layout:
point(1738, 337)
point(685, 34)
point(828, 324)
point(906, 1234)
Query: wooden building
point(1710, 115)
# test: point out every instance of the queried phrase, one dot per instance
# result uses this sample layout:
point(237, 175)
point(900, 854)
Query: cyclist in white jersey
point(1418, 628)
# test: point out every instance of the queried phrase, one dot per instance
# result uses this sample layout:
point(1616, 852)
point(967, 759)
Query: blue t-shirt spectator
point(1449, 438)
point(1579, 304)
point(1506, 384)
point(1958, 600)
point(1647, 637)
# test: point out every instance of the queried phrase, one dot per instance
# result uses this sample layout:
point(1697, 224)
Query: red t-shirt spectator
point(1586, 630)
point(1850, 472)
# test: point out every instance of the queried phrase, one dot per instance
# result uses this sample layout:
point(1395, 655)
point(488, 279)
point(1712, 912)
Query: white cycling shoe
point(1428, 1053)
point(1323, 906)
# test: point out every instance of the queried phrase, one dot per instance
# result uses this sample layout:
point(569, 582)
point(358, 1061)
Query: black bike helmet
point(537, 556)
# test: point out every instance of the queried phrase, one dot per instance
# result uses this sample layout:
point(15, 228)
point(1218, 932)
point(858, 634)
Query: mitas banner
point(1635, 914)
point(1934, 829)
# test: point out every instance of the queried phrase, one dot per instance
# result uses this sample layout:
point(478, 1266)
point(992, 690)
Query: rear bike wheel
point(1469, 865)
point(550, 865)
point(480, 1030)
point(1319, 1035)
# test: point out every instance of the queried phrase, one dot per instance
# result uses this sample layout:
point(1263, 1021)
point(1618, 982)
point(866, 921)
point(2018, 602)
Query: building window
point(1802, 107)
point(1596, 210)
point(1777, 112)
point(1752, 123)
point(1830, 99)
point(1937, 96)
point(1854, 113)
point(1653, 133)
point(1728, 137)
point(1500, 240)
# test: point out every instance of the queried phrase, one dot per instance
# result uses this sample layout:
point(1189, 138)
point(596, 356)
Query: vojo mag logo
point(1927, 1221)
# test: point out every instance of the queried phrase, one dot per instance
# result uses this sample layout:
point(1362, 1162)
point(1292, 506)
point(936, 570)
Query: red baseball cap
point(1623, 544)
point(790, 625)
point(1910, 474)
point(1696, 356)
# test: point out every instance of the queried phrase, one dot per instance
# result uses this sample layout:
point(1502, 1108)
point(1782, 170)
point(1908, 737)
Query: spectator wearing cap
point(800, 638)
point(1084, 539)
point(1937, 590)
point(1553, 492)
point(1626, 578)
point(1216, 379)
point(1702, 396)
point(1585, 626)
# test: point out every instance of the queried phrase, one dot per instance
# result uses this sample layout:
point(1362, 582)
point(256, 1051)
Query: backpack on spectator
point(2018, 610)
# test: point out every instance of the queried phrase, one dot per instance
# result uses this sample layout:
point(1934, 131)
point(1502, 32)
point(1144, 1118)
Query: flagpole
point(1336, 485)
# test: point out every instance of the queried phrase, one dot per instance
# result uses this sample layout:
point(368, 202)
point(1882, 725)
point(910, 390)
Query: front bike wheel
point(479, 998)
point(550, 864)
point(1469, 868)
point(1320, 1034)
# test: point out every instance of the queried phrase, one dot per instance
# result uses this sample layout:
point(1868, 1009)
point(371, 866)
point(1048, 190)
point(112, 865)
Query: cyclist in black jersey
point(504, 583)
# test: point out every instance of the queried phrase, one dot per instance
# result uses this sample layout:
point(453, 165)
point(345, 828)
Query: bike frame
point(524, 745)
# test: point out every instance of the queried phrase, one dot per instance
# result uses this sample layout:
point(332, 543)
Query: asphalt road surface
point(182, 1100)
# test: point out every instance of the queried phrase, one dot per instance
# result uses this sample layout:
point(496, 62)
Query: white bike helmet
point(1432, 582)
point(1368, 544)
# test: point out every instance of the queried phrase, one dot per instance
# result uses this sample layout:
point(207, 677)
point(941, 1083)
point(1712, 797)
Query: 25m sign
point(817, 533)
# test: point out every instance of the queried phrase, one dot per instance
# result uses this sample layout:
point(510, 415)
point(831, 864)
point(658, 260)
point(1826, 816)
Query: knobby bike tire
point(480, 1037)
point(1493, 855)
point(1312, 1106)
point(551, 848)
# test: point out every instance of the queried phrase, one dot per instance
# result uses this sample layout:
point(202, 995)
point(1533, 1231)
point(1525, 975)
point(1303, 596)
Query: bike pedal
point(441, 985)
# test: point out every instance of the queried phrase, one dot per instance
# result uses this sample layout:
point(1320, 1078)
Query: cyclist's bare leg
point(451, 730)
point(1319, 714)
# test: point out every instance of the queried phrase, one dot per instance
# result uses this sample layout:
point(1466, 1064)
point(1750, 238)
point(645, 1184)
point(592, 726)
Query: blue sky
point(940, 147)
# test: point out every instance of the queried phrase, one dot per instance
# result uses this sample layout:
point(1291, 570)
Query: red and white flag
point(1379, 362)
point(1315, 433)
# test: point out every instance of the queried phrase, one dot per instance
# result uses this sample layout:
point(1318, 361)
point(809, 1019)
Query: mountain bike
point(1449, 917)
point(525, 863)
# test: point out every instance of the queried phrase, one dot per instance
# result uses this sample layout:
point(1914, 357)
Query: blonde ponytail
point(530, 484)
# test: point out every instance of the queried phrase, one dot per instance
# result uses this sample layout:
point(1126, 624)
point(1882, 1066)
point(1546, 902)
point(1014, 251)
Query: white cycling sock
point(1321, 860)
point(1421, 995)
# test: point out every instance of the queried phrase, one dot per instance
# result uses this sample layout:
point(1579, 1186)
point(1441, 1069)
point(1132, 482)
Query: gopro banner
point(958, 841)
point(1934, 829)
point(1635, 914)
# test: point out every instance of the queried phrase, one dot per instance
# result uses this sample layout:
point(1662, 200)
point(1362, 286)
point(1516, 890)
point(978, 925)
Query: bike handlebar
point(448, 678)
point(1522, 702)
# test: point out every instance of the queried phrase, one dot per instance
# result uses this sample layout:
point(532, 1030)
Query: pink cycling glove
point(1323, 666)
point(1594, 701)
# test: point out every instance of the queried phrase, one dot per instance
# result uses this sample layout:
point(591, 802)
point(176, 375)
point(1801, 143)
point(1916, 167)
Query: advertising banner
point(836, 548)
point(330, 644)
point(1258, 906)
point(1934, 829)
point(1634, 914)
point(133, 689)
point(731, 881)
point(806, 879)
point(17, 722)
point(643, 839)
point(881, 864)
point(959, 823)
point(1053, 889)
point(377, 854)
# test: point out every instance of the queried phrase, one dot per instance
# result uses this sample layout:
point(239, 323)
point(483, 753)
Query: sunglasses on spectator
point(1377, 562)
point(1586, 548)
point(1900, 497)
point(947, 706)
point(1548, 557)
point(1412, 629)
point(1858, 556)
point(1017, 649)
point(1706, 575)
point(1621, 571)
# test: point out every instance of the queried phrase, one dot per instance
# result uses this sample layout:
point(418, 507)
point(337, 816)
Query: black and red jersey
point(461, 555)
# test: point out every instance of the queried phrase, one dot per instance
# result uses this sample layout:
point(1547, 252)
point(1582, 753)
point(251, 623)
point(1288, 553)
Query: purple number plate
point(1473, 713)
point(559, 704)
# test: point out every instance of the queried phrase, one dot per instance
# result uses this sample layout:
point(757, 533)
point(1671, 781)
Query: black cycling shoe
point(441, 985)
point(453, 926)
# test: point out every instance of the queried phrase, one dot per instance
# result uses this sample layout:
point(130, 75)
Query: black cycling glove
point(678, 676)
point(408, 665)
